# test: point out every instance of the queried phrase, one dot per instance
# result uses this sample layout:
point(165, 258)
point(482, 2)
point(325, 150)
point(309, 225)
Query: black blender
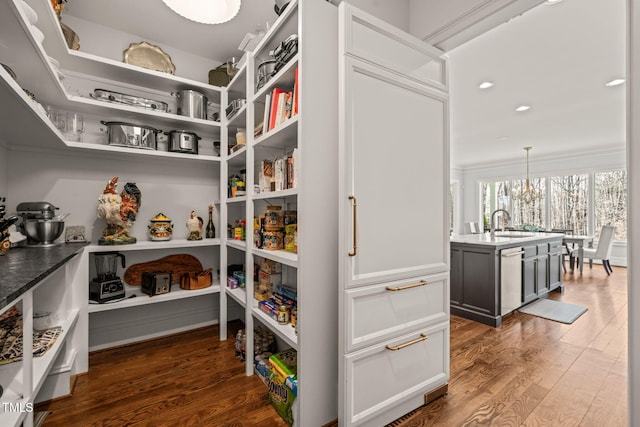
point(107, 286)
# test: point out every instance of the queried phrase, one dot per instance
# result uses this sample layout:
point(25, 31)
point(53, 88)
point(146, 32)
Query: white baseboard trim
point(58, 382)
point(151, 336)
point(615, 262)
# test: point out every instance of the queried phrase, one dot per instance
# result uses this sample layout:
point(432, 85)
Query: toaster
point(156, 282)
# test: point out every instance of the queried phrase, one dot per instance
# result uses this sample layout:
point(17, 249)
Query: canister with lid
point(273, 218)
point(283, 314)
point(273, 240)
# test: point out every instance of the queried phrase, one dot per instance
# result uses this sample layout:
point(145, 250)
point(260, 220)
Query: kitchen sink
point(515, 234)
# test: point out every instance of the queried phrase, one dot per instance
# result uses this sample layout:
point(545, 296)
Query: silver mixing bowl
point(42, 231)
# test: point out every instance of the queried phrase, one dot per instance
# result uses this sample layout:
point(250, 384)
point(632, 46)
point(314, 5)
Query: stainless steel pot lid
point(183, 131)
point(129, 124)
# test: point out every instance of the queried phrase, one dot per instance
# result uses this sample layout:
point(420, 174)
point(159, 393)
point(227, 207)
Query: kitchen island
point(494, 275)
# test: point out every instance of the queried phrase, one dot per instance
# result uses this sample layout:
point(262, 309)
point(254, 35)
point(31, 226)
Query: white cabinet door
point(386, 376)
point(380, 312)
point(393, 188)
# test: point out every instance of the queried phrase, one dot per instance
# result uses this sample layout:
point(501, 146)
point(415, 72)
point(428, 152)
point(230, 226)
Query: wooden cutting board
point(175, 264)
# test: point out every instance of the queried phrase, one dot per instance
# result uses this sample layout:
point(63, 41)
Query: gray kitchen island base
point(476, 267)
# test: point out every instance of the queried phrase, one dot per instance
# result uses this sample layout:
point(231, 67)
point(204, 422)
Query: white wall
point(580, 163)
point(73, 181)
point(110, 43)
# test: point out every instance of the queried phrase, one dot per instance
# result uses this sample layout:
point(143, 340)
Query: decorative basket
point(196, 280)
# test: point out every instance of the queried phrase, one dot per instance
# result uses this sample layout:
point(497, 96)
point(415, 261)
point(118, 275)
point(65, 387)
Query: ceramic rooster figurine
point(119, 212)
point(194, 225)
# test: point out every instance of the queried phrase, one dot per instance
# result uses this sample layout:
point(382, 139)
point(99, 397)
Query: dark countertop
point(23, 267)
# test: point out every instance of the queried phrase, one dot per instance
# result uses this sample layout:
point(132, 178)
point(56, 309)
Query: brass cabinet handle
point(402, 288)
point(423, 337)
point(355, 241)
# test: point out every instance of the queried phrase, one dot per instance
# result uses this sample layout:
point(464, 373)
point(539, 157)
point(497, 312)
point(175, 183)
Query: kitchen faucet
point(493, 224)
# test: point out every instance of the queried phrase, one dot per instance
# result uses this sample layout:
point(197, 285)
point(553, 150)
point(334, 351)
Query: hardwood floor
point(188, 379)
point(528, 372)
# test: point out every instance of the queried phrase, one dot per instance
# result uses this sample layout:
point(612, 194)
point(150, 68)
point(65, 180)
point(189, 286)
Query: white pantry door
point(393, 221)
point(393, 155)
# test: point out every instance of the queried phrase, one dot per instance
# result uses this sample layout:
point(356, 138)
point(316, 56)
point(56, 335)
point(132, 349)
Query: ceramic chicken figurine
point(194, 225)
point(119, 212)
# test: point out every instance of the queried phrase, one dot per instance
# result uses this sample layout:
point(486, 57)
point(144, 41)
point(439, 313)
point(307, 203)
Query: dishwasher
point(510, 280)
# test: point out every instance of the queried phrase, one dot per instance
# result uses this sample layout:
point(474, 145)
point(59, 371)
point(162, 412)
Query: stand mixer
point(107, 286)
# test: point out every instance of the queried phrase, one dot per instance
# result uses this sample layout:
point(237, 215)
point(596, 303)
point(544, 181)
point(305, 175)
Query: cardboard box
point(269, 282)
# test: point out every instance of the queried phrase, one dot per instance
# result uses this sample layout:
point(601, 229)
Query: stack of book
point(279, 106)
point(279, 174)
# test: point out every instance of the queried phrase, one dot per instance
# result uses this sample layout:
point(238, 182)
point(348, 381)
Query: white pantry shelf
point(147, 245)
point(239, 295)
point(240, 245)
point(143, 299)
point(283, 257)
point(285, 332)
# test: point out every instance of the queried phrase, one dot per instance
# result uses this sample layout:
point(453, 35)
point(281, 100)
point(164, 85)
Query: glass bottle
point(211, 229)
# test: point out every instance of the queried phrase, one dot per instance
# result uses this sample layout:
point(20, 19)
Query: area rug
point(554, 310)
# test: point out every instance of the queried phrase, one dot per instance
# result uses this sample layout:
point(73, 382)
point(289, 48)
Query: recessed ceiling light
point(523, 108)
point(485, 85)
point(553, 1)
point(502, 138)
point(614, 82)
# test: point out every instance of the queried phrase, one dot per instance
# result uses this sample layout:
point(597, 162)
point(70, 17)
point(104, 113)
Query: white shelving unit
point(23, 380)
point(25, 122)
point(313, 132)
point(31, 58)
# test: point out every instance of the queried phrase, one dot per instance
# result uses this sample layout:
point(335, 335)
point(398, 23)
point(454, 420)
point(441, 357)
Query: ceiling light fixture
point(523, 108)
point(614, 82)
point(553, 1)
point(528, 194)
point(485, 85)
point(205, 11)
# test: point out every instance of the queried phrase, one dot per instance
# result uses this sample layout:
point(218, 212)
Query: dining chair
point(602, 251)
point(472, 227)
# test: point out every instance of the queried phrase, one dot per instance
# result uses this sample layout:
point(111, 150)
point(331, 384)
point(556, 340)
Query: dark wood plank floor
point(529, 372)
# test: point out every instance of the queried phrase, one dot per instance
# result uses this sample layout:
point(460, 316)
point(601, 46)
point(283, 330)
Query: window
point(528, 215)
point(505, 195)
point(494, 196)
point(569, 200)
point(611, 202)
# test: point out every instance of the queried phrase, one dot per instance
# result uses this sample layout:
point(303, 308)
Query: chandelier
point(528, 194)
point(205, 11)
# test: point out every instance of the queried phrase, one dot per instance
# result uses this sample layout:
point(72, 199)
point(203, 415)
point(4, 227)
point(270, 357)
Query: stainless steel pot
point(182, 141)
point(265, 71)
point(191, 104)
point(129, 135)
